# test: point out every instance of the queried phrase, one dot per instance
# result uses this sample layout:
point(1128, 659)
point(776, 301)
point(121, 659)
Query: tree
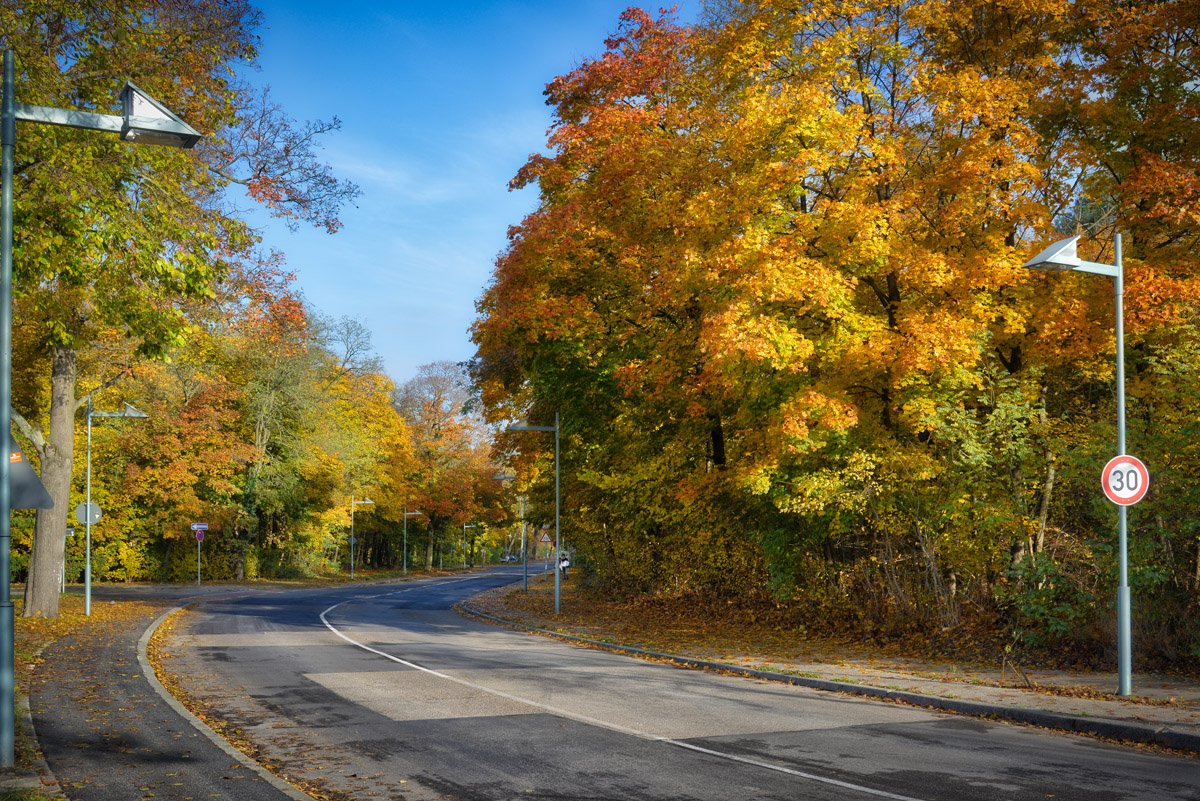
point(453, 482)
point(111, 237)
point(773, 278)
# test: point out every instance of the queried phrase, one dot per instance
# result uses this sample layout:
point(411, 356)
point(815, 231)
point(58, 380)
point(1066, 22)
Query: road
point(386, 691)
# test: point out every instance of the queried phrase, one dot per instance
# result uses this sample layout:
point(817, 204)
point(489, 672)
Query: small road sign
point(199, 535)
point(199, 526)
point(88, 513)
point(546, 537)
point(1125, 480)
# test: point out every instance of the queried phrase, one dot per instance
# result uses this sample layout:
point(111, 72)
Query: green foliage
point(1047, 605)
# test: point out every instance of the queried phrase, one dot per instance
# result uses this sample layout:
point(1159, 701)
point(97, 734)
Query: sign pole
point(8, 138)
point(87, 548)
point(1124, 647)
point(199, 528)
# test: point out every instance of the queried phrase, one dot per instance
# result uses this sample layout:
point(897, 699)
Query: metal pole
point(1124, 646)
point(197, 560)
point(406, 540)
point(524, 549)
point(352, 538)
point(87, 517)
point(8, 137)
point(557, 541)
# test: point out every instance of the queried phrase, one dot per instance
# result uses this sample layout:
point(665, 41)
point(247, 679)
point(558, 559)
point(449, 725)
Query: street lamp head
point(1059, 257)
point(521, 425)
point(410, 514)
point(133, 411)
point(146, 121)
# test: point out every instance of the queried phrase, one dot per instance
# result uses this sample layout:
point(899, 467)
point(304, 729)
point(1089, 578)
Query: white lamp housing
point(146, 121)
point(1059, 257)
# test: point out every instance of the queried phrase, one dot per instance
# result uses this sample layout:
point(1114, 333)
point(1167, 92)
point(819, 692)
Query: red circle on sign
point(199, 535)
point(1125, 480)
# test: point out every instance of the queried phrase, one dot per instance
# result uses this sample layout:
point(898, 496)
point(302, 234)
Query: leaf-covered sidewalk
point(1159, 701)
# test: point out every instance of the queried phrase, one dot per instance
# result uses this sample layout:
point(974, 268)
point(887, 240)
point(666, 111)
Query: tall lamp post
point(354, 503)
point(407, 514)
point(89, 517)
point(1063, 256)
point(524, 555)
point(143, 120)
point(523, 426)
point(465, 527)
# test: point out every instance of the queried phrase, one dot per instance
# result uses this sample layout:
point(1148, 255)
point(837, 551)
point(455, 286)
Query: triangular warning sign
point(546, 537)
point(27, 490)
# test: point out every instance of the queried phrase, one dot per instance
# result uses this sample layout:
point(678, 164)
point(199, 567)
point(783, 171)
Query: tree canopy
point(774, 287)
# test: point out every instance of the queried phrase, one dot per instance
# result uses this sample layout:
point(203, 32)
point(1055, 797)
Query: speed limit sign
point(1125, 480)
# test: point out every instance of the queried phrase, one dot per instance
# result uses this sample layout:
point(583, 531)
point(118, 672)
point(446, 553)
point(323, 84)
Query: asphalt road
point(384, 691)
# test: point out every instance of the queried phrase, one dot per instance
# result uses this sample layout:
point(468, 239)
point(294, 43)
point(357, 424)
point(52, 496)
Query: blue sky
point(440, 103)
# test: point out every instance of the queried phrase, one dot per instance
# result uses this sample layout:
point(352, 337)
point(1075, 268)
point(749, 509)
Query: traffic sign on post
point(88, 513)
point(546, 537)
point(1125, 480)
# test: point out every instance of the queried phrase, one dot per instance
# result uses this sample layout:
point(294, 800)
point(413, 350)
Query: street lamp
point(407, 514)
point(522, 426)
point(524, 555)
point(143, 119)
point(465, 527)
point(354, 503)
point(92, 515)
point(1062, 256)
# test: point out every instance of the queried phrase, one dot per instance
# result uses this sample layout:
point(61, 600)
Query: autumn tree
point(111, 236)
point(773, 286)
point(452, 482)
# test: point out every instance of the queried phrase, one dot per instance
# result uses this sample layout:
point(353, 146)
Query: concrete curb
point(217, 740)
point(1117, 730)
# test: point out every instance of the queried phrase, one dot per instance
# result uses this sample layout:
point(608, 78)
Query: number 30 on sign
point(1125, 480)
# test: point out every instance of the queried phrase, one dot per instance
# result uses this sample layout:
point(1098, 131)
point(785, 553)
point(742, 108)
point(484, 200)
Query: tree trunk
point(46, 561)
point(1048, 486)
point(429, 551)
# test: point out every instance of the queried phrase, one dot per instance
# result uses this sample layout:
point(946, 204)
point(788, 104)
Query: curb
point(148, 670)
point(41, 779)
point(1117, 730)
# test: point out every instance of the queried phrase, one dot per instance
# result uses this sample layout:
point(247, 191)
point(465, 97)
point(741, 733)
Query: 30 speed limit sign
point(1125, 480)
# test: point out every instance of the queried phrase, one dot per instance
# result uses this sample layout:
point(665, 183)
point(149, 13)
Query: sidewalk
point(1163, 711)
point(105, 733)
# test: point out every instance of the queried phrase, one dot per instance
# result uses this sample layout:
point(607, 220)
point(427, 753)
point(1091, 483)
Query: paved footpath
point(108, 735)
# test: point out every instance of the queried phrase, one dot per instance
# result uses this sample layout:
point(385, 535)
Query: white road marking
point(563, 713)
